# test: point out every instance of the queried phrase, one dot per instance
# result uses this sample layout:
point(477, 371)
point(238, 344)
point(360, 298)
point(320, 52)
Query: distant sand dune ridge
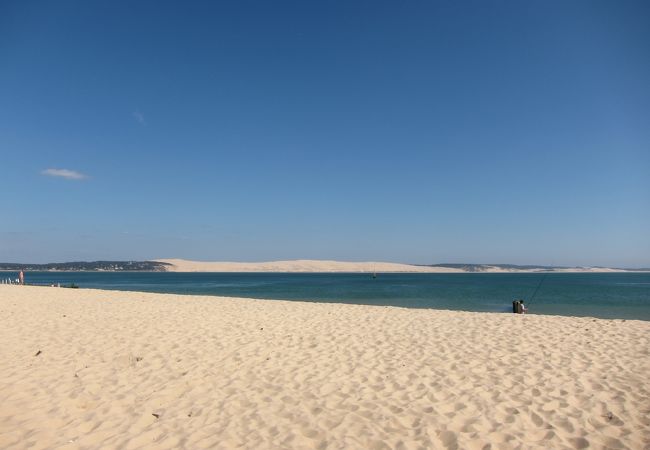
point(310, 265)
point(299, 265)
point(85, 369)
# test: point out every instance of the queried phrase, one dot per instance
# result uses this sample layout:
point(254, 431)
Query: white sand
point(300, 265)
point(236, 373)
point(309, 265)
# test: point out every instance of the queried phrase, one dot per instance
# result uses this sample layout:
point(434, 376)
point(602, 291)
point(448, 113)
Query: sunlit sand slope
point(86, 369)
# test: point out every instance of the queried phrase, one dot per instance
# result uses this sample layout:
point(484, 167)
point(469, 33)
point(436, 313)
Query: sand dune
point(303, 265)
point(86, 369)
point(308, 265)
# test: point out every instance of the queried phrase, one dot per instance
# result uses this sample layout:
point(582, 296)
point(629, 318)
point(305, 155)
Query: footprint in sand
point(579, 442)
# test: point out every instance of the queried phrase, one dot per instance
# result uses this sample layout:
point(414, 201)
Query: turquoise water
point(608, 295)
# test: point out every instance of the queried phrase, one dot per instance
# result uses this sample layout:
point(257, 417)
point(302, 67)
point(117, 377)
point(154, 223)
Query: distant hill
point(319, 266)
point(300, 265)
point(310, 266)
point(91, 266)
point(492, 268)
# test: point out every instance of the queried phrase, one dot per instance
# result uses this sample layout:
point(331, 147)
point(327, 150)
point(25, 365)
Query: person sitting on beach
point(523, 308)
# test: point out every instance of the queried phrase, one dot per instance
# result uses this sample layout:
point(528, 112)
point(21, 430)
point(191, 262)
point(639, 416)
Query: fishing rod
point(538, 286)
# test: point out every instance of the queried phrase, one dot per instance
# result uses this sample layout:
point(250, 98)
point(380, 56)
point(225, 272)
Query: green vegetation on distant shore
point(91, 266)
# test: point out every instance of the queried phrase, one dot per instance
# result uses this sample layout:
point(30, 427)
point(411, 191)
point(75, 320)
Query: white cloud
point(139, 117)
point(64, 173)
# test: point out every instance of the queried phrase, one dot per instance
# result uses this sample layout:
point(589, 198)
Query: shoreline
point(315, 301)
point(487, 272)
point(141, 370)
point(207, 297)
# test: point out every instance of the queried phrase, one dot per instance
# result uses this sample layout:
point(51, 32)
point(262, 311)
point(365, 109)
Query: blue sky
point(425, 132)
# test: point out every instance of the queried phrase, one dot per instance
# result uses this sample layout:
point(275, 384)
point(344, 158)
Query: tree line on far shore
point(88, 266)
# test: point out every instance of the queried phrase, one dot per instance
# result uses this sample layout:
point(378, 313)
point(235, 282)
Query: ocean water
point(604, 295)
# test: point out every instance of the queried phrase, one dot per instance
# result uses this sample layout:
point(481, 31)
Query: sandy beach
point(88, 369)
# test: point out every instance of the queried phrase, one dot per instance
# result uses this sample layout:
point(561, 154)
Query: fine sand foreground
point(106, 369)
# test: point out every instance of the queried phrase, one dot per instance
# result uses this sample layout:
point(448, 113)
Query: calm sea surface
point(607, 295)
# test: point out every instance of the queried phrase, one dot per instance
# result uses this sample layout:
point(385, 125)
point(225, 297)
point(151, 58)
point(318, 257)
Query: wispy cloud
point(139, 117)
point(64, 173)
